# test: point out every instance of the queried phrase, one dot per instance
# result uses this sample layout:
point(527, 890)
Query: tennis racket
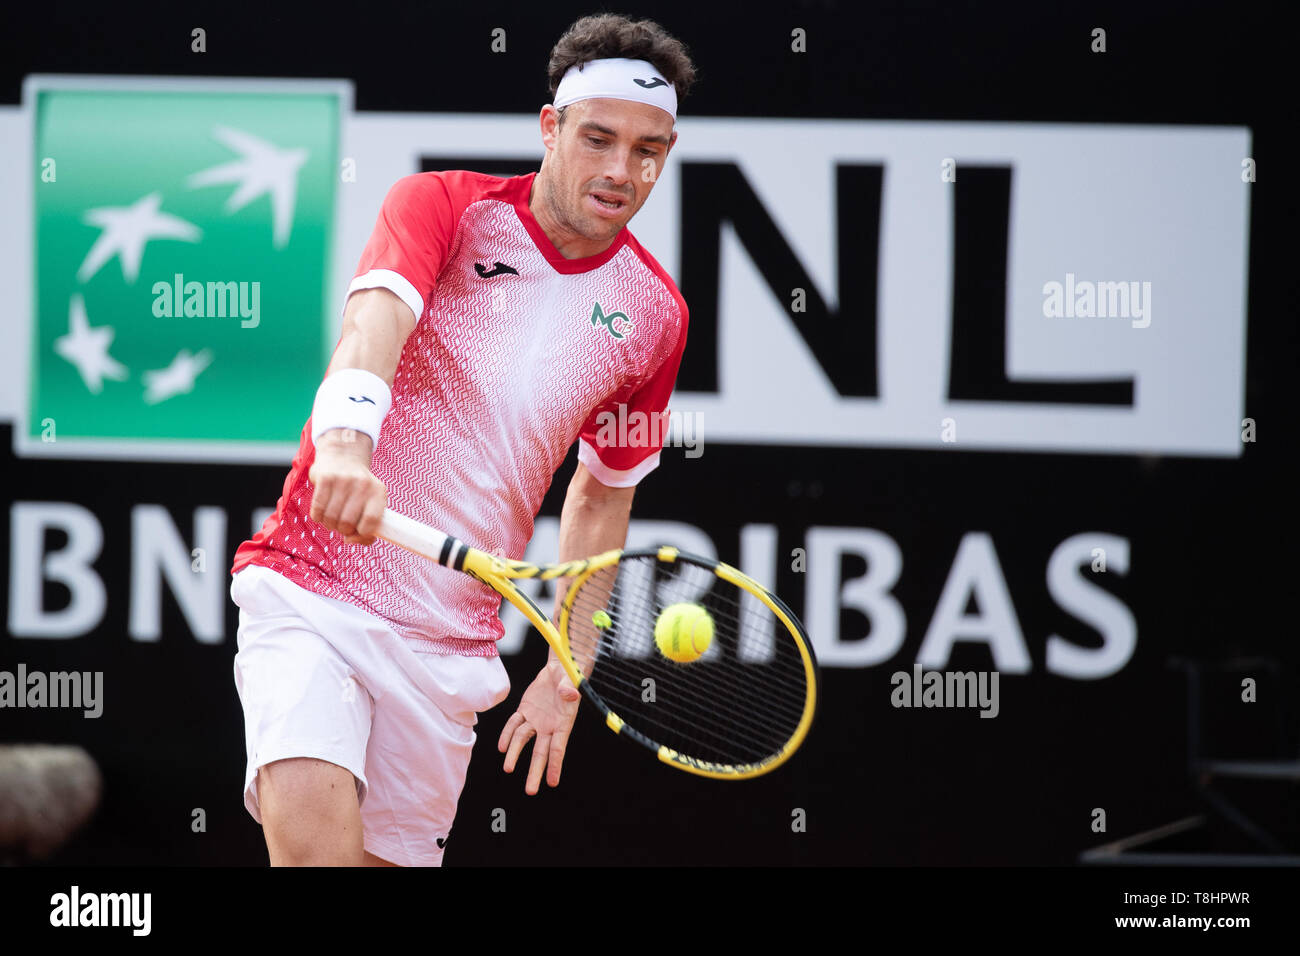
point(737, 710)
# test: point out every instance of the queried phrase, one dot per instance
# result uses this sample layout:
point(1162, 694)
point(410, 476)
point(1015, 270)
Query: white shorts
point(321, 678)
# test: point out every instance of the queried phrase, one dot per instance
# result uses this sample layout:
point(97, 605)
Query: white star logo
point(87, 348)
point(263, 169)
point(127, 229)
point(178, 377)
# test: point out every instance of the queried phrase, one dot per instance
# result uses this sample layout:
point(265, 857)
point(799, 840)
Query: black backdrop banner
point(1196, 543)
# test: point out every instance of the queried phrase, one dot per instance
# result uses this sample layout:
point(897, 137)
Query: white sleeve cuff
point(394, 283)
point(608, 476)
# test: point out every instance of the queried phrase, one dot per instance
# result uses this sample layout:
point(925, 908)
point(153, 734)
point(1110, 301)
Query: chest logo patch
point(616, 324)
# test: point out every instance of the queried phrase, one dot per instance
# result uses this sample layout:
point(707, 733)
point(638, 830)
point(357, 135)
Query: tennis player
point(490, 324)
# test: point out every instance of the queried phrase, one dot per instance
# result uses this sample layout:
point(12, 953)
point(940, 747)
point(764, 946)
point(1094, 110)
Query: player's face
point(603, 162)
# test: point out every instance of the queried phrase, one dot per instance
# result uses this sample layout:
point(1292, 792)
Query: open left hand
point(546, 711)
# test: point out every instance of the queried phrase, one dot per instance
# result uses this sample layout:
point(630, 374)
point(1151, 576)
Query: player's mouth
point(609, 205)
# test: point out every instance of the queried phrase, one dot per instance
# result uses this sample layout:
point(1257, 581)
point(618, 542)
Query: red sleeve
point(621, 440)
point(412, 239)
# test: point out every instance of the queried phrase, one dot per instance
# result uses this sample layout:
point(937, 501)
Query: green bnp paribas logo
point(183, 238)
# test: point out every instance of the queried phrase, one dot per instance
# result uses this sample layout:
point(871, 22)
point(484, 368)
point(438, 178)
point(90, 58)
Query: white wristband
point(351, 398)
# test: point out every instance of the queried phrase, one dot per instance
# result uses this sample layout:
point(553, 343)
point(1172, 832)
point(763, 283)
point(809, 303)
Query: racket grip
point(419, 538)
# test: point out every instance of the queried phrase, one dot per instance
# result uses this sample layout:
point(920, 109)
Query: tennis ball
point(602, 620)
point(683, 632)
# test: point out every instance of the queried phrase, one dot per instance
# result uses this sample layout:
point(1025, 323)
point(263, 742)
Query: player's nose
point(618, 172)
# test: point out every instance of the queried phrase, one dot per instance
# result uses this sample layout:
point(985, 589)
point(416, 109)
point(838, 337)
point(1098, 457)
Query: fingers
point(513, 724)
point(541, 750)
point(523, 733)
point(350, 514)
point(372, 512)
point(347, 498)
point(547, 758)
point(555, 759)
point(545, 717)
point(565, 690)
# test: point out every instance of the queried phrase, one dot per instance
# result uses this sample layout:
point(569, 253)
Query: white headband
point(617, 79)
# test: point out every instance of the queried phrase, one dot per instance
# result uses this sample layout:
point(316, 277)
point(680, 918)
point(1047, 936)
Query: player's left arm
point(594, 519)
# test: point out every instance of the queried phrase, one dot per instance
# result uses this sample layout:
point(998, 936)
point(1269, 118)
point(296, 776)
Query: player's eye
point(595, 142)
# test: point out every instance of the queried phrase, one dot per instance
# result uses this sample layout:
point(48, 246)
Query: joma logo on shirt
point(623, 328)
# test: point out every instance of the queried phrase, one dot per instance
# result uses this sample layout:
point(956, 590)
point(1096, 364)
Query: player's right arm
point(395, 279)
point(346, 496)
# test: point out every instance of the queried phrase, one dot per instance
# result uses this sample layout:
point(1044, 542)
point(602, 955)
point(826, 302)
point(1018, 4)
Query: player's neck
point(570, 244)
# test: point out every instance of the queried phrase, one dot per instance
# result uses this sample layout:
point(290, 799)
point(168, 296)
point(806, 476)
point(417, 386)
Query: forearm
point(376, 324)
point(375, 327)
point(592, 526)
point(594, 520)
point(346, 496)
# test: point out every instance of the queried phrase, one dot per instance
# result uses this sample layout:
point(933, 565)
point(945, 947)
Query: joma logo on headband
point(650, 84)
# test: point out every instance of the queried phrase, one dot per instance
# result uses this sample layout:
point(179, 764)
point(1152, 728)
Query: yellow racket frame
point(500, 573)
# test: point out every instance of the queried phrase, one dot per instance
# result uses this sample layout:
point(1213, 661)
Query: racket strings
point(778, 714)
point(740, 702)
point(701, 679)
point(709, 722)
point(791, 663)
point(701, 724)
point(750, 618)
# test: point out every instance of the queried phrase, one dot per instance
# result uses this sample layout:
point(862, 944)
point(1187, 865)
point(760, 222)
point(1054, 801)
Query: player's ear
point(550, 124)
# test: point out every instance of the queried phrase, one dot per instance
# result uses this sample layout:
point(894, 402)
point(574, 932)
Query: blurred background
point(873, 215)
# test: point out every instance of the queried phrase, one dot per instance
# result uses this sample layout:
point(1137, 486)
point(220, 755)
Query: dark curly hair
point(605, 35)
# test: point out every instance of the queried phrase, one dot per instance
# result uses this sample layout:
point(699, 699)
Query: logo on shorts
point(442, 841)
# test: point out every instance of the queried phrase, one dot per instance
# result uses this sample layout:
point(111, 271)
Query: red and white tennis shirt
point(516, 352)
